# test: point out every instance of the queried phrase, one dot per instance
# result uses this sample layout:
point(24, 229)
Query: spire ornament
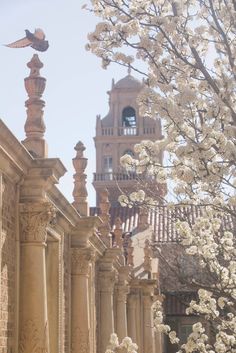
point(34, 126)
point(80, 192)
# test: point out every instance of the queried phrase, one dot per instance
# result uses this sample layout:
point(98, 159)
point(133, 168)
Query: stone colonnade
point(73, 288)
point(124, 304)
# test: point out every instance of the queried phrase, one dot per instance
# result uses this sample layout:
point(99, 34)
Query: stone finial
point(130, 251)
point(105, 206)
point(129, 70)
point(118, 233)
point(143, 219)
point(80, 192)
point(147, 264)
point(34, 126)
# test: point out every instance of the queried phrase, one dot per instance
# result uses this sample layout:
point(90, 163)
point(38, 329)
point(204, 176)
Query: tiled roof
point(162, 219)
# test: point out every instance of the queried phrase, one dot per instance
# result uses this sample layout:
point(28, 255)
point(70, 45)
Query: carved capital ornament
point(34, 219)
point(81, 260)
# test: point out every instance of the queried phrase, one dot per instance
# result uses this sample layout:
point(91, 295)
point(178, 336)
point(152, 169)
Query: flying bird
point(34, 40)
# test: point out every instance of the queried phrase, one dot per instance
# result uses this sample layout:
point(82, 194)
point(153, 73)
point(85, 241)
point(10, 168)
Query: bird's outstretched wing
point(21, 43)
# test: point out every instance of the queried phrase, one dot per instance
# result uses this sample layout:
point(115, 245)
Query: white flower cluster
point(189, 54)
point(159, 325)
point(126, 345)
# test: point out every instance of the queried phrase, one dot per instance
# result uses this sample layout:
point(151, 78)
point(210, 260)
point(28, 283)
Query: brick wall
point(8, 267)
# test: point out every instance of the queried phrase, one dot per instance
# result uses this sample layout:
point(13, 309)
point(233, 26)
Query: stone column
point(80, 310)
point(122, 290)
point(106, 283)
point(148, 331)
point(33, 314)
point(121, 313)
point(132, 332)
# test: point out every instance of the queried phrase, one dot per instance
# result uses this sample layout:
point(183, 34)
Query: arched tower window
point(129, 152)
point(128, 117)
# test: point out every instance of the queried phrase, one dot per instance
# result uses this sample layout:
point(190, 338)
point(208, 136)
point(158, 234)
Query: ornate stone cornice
point(83, 230)
point(34, 219)
point(81, 260)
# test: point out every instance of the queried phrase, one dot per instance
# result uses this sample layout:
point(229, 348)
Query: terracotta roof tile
point(162, 219)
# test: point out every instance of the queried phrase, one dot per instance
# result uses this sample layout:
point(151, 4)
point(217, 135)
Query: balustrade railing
point(107, 131)
point(149, 130)
point(127, 131)
point(114, 176)
point(124, 131)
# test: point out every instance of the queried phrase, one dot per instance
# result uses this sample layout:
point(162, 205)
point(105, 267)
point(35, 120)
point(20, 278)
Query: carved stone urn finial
point(80, 191)
point(34, 126)
point(118, 233)
point(130, 251)
point(147, 264)
point(105, 206)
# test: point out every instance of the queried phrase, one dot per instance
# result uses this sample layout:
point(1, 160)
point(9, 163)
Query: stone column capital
point(34, 219)
point(107, 280)
point(122, 292)
point(132, 299)
point(147, 301)
point(81, 260)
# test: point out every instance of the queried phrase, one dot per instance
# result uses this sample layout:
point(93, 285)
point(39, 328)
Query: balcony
point(128, 131)
point(114, 176)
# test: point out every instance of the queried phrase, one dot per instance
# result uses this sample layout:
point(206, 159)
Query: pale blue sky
point(76, 83)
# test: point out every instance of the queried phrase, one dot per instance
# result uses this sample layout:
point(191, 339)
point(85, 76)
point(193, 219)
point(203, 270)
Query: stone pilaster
point(34, 126)
point(80, 307)
point(34, 219)
point(80, 192)
point(107, 281)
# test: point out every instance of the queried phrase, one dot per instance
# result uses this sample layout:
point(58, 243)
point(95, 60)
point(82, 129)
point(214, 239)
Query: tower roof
point(128, 82)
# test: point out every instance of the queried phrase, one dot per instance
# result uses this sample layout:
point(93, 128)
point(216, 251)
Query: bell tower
point(116, 135)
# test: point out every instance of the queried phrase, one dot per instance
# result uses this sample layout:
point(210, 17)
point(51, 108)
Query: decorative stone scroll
point(34, 219)
point(81, 260)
